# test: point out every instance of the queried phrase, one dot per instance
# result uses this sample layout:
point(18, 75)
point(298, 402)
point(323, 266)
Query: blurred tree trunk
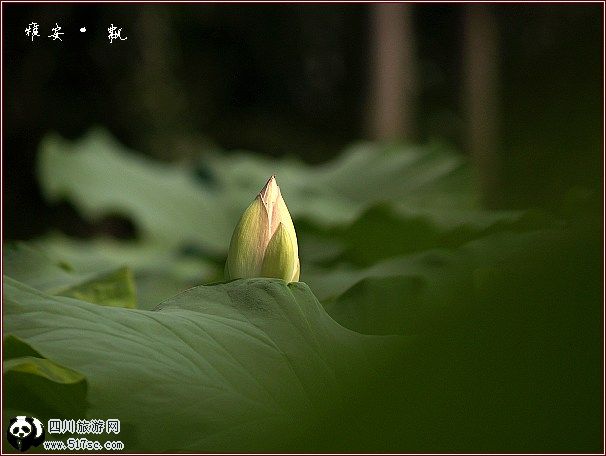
point(481, 63)
point(393, 80)
point(163, 105)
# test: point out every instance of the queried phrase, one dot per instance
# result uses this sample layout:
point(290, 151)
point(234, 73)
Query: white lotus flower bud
point(264, 243)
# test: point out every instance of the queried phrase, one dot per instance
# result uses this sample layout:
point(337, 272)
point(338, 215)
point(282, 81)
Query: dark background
point(295, 80)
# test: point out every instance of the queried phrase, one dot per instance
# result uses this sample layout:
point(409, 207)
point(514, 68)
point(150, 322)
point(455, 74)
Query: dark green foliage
point(425, 323)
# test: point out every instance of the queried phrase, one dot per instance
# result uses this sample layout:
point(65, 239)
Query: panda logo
point(24, 432)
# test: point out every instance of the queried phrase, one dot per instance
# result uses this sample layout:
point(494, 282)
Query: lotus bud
point(264, 243)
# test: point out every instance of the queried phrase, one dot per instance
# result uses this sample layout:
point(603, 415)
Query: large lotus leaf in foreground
point(248, 365)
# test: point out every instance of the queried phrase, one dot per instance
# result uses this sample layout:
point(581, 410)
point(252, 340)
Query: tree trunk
point(393, 86)
point(481, 53)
